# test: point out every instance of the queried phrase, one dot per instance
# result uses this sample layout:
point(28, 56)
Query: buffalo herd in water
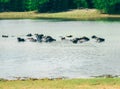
point(49, 39)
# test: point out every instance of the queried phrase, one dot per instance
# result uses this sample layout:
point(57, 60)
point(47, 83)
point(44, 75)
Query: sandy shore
point(82, 14)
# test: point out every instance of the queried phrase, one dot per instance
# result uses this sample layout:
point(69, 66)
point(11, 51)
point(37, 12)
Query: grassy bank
point(83, 14)
point(96, 83)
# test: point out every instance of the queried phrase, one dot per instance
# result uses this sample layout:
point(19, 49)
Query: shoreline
point(58, 78)
point(77, 15)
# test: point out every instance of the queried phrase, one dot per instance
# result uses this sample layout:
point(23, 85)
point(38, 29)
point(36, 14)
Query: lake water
point(60, 58)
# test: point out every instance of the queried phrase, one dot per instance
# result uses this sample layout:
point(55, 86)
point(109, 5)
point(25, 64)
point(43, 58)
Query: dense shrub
point(105, 6)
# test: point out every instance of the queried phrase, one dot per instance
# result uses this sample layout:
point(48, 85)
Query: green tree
point(108, 6)
point(44, 6)
point(58, 5)
point(31, 5)
point(71, 4)
point(90, 3)
point(81, 3)
point(52, 5)
point(4, 5)
point(17, 5)
point(105, 6)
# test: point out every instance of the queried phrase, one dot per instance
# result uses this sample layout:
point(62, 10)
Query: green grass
point(95, 83)
point(82, 14)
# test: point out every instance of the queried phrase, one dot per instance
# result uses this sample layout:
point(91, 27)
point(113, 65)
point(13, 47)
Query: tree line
point(105, 6)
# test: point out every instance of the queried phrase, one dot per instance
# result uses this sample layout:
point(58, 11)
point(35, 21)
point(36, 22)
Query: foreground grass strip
point(97, 83)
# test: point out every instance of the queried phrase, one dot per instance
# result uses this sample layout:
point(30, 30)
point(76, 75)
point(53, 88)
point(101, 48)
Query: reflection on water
point(59, 58)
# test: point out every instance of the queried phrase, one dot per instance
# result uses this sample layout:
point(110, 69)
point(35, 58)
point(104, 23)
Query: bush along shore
point(77, 14)
point(44, 6)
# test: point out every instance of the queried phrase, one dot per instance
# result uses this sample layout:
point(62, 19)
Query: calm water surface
point(59, 58)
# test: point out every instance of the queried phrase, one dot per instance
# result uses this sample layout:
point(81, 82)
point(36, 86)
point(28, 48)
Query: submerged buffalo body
point(42, 38)
point(5, 36)
point(49, 39)
point(39, 37)
point(29, 35)
point(32, 39)
point(20, 39)
point(80, 40)
point(98, 39)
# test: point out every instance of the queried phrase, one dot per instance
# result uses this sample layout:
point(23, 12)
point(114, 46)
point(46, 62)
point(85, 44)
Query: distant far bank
point(77, 14)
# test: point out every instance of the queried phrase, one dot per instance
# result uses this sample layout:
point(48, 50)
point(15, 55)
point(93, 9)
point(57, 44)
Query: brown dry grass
point(82, 14)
